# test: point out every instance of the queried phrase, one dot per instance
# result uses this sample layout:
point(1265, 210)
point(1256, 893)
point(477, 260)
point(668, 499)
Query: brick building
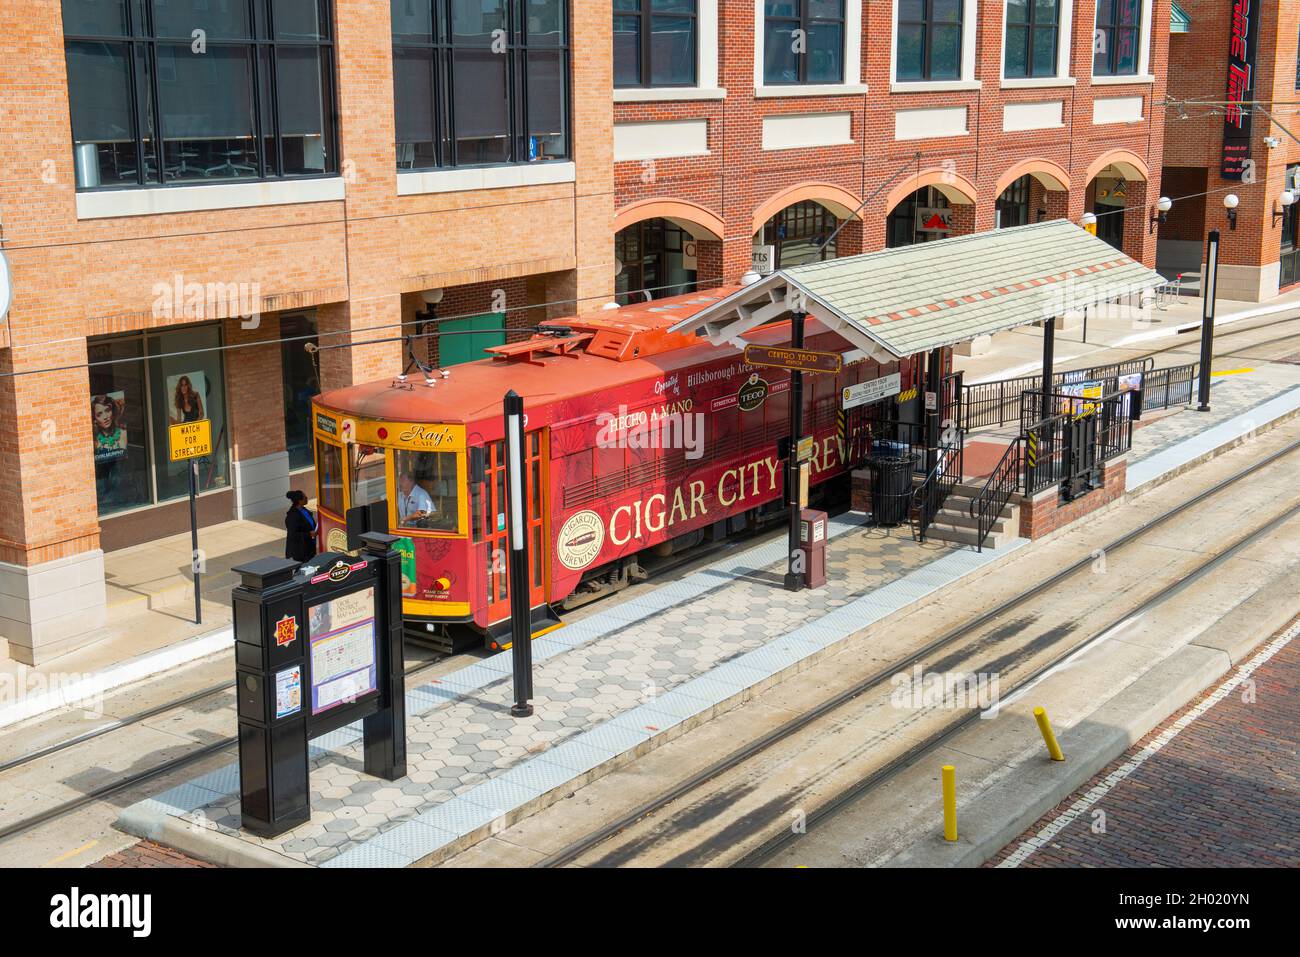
point(1207, 69)
point(185, 184)
point(912, 119)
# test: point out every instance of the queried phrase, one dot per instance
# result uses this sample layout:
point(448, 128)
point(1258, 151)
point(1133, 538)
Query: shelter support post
point(1049, 348)
point(794, 577)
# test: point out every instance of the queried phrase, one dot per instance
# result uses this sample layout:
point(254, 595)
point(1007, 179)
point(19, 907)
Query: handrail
point(929, 496)
point(998, 489)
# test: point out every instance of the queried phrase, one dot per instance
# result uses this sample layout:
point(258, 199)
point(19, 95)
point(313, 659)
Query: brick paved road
point(1225, 792)
point(149, 854)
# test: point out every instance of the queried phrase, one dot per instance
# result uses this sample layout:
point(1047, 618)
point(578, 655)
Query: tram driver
point(414, 505)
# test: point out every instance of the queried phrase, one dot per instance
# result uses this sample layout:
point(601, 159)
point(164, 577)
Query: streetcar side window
point(369, 480)
point(329, 477)
point(428, 490)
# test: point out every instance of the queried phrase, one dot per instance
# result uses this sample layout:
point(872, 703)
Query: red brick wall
point(1047, 513)
point(738, 177)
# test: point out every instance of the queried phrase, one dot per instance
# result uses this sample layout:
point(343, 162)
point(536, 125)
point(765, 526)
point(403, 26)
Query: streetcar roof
point(624, 345)
point(912, 299)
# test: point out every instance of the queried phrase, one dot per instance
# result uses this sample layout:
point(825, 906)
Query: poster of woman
point(106, 413)
point(186, 393)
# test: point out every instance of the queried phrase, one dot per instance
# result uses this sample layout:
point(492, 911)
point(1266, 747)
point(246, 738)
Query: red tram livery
point(639, 442)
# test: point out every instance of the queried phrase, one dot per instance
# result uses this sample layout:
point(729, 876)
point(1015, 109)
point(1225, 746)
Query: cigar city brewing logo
point(580, 539)
point(752, 393)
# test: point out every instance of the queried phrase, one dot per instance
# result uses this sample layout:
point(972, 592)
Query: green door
point(470, 336)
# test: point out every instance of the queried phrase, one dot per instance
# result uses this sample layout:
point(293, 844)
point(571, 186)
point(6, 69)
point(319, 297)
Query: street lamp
point(521, 613)
point(1286, 199)
point(1230, 203)
point(1163, 205)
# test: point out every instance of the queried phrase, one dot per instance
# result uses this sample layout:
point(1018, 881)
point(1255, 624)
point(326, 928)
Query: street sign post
point(187, 442)
point(796, 360)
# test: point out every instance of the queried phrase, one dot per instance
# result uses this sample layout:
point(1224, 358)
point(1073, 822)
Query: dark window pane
point(672, 6)
point(412, 19)
point(826, 9)
point(472, 21)
point(303, 133)
point(1101, 52)
point(1044, 51)
point(94, 18)
point(672, 51)
point(1046, 11)
point(781, 8)
point(481, 105)
point(1126, 51)
point(780, 62)
point(546, 110)
point(298, 375)
point(1128, 11)
point(946, 11)
point(825, 53)
point(545, 22)
point(206, 108)
point(945, 53)
point(1017, 11)
point(911, 52)
point(219, 19)
point(298, 20)
point(266, 85)
point(627, 51)
point(1017, 63)
point(413, 98)
point(103, 125)
point(911, 10)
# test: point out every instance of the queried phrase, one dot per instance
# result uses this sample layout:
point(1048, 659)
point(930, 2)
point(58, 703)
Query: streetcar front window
point(329, 477)
point(369, 481)
point(428, 490)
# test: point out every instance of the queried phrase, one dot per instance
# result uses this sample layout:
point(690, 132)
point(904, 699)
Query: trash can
point(891, 486)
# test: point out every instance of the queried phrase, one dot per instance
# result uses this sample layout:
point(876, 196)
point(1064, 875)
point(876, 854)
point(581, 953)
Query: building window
point(298, 375)
point(1012, 206)
point(929, 39)
point(1297, 65)
point(922, 217)
point(1115, 44)
point(655, 259)
point(655, 42)
point(480, 82)
point(803, 41)
point(155, 102)
point(801, 233)
point(1033, 35)
point(139, 385)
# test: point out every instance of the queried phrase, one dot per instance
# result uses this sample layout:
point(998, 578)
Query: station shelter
point(916, 302)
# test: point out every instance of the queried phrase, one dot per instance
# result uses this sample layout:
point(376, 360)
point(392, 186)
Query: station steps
point(954, 525)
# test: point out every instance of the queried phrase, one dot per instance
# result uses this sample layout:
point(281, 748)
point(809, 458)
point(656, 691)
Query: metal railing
point(1166, 388)
point(1069, 446)
point(994, 404)
point(986, 507)
point(929, 496)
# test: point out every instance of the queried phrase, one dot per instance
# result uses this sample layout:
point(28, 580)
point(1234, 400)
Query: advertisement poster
point(185, 397)
point(341, 633)
point(406, 548)
point(107, 413)
point(288, 692)
point(1242, 42)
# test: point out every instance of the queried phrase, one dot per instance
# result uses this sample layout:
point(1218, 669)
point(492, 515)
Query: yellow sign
point(190, 440)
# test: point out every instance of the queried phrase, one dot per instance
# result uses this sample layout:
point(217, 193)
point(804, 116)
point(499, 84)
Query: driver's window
point(369, 481)
point(428, 486)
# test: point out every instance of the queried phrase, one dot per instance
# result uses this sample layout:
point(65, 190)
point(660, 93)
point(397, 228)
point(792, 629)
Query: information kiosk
point(317, 646)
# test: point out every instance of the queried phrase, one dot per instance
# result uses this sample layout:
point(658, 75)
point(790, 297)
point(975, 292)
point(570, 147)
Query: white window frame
point(852, 59)
point(969, 26)
point(1143, 74)
point(706, 67)
point(1065, 28)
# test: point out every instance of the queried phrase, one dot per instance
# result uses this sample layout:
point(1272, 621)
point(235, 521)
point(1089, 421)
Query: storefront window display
point(300, 386)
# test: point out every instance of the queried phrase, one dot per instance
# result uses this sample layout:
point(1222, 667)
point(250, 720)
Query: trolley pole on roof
point(794, 576)
point(1209, 289)
point(521, 632)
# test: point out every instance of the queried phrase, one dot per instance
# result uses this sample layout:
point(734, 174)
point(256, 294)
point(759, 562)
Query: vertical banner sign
point(1241, 84)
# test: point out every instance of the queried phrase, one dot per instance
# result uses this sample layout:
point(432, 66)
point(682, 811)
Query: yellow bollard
point(949, 803)
point(1045, 726)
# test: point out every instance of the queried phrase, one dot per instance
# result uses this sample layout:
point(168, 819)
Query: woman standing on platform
point(300, 544)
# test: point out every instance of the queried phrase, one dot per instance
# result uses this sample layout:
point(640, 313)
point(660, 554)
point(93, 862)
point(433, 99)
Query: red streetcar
point(640, 443)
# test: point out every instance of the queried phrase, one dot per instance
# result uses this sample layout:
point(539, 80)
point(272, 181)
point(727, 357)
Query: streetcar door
point(494, 509)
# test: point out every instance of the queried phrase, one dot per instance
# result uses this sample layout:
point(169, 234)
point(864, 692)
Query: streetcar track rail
point(740, 756)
